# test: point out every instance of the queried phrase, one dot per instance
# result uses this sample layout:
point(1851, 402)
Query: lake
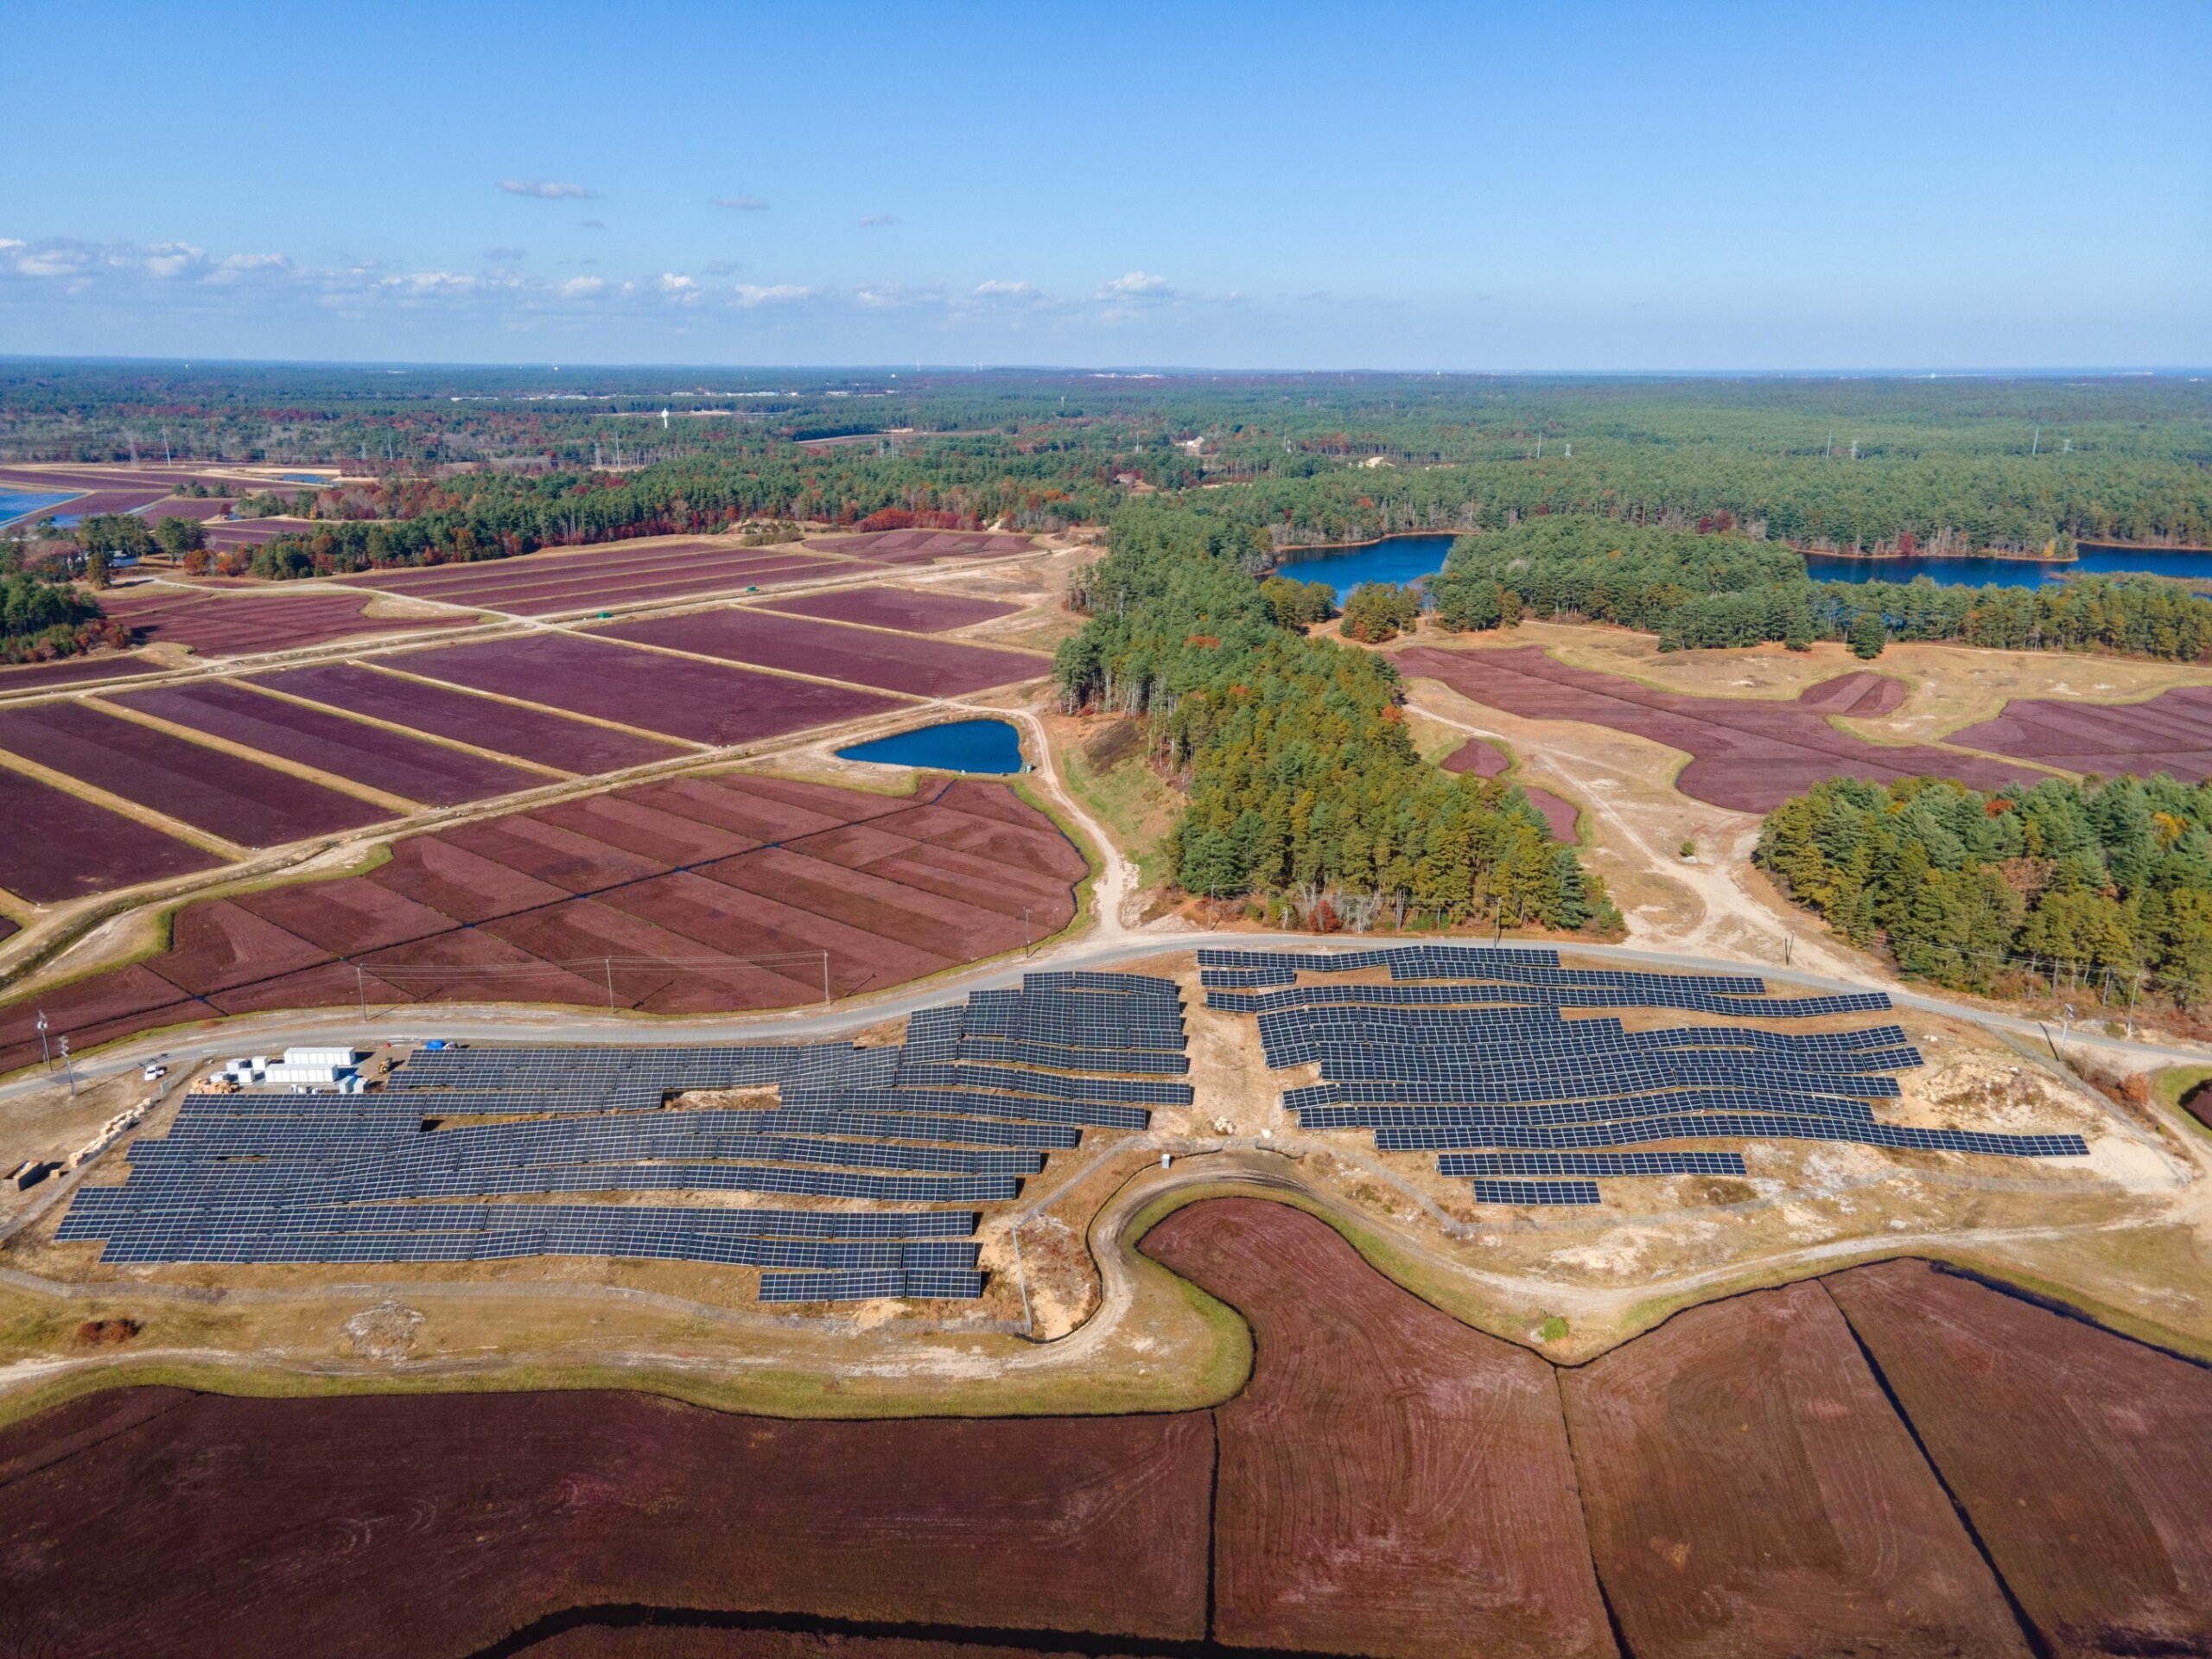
point(1409, 558)
point(2008, 573)
point(20, 504)
point(991, 746)
point(1396, 558)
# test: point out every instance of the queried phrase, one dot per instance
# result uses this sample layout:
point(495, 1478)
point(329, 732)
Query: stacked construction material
point(455, 1159)
point(1469, 1050)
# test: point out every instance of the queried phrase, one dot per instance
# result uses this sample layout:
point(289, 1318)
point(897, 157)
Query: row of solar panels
point(97, 1206)
point(403, 1175)
point(1535, 1085)
point(1682, 998)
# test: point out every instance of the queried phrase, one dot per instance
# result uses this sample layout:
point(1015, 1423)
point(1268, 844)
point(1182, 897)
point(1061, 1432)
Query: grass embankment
point(1108, 775)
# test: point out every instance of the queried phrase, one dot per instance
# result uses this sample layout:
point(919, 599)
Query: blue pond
point(19, 504)
point(306, 477)
point(1396, 558)
point(958, 745)
point(1407, 558)
point(2008, 573)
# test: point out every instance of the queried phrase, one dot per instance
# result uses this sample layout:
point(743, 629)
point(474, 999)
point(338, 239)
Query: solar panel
point(1536, 1192)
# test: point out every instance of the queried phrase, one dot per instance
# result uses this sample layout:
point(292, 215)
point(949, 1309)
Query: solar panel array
point(1469, 1052)
point(465, 1154)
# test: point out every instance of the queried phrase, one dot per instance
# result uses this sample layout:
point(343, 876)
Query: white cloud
point(995, 289)
point(876, 221)
point(547, 189)
point(241, 267)
point(167, 259)
point(750, 294)
point(1136, 286)
point(682, 290)
point(582, 288)
point(742, 204)
point(503, 256)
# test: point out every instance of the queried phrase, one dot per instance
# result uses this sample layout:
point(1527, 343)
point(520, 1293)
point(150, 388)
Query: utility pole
point(2036, 448)
point(68, 1070)
point(1024, 933)
point(825, 979)
point(361, 989)
point(2132, 992)
point(46, 1054)
point(608, 963)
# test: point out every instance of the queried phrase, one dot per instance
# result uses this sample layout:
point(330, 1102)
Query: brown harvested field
point(224, 625)
point(190, 1524)
point(1749, 756)
point(252, 533)
point(220, 793)
point(2083, 1461)
point(1391, 1482)
point(2172, 732)
point(74, 670)
point(392, 761)
point(903, 608)
point(672, 880)
point(921, 546)
point(56, 846)
point(650, 691)
point(535, 734)
point(1750, 1490)
point(896, 662)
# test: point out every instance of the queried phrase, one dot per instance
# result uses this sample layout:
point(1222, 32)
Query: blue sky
point(1644, 187)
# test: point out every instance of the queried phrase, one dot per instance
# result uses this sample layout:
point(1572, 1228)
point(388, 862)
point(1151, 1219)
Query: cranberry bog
point(2171, 733)
point(535, 734)
point(646, 691)
point(1749, 1437)
point(656, 897)
point(903, 608)
point(72, 671)
point(492, 1510)
point(414, 768)
point(1486, 760)
point(1746, 754)
point(895, 662)
point(58, 847)
point(2081, 1459)
point(546, 584)
point(1894, 1459)
point(252, 805)
point(227, 625)
point(924, 546)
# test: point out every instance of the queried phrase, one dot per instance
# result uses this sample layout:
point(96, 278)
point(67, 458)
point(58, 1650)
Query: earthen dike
point(1893, 1459)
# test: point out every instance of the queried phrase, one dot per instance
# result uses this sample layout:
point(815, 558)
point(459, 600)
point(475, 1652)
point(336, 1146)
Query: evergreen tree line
point(1302, 782)
point(1708, 590)
point(41, 620)
point(2100, 890)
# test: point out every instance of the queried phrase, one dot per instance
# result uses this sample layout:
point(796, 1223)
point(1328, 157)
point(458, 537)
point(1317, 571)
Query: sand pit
point(1747, 755)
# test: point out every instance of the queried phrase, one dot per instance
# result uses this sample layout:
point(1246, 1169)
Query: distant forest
point(483, 463)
